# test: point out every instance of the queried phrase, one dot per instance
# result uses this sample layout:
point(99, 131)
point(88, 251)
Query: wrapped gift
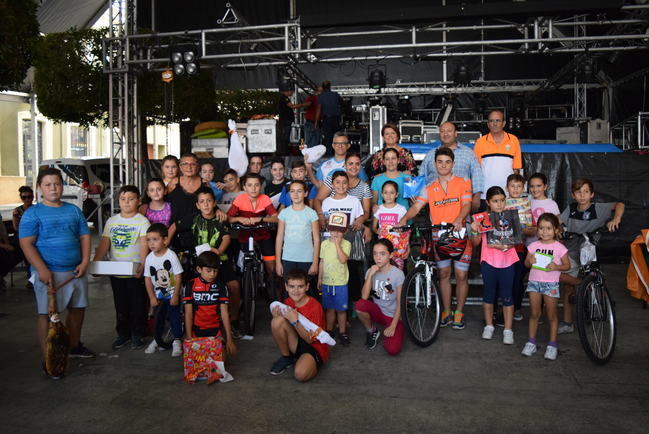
point(203, 360)
point(485, 222)
point(524, 208)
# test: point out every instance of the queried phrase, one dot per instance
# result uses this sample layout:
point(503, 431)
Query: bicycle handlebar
point(257, 227)
point(572, 235)
point(423, 227)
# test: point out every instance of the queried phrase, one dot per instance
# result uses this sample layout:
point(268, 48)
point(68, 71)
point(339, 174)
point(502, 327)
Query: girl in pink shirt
point(543, 286)
point(498, 271)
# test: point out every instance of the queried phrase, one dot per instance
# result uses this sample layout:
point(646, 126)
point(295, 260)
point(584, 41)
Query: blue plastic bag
point(413, 186)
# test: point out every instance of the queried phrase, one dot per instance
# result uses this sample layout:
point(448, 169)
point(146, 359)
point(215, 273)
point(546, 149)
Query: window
point(78, 141)
point(28, 145)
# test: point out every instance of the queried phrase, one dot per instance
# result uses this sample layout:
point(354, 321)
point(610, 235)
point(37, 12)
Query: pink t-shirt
point(557, 250)
point(540, 207)
point(497, 258)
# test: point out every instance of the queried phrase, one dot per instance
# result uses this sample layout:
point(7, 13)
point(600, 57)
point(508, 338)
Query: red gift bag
point(203, 359)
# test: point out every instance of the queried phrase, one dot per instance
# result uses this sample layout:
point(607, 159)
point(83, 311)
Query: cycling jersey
point(206, 299)
point(445, 206)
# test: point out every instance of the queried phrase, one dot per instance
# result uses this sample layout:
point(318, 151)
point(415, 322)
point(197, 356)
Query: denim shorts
point(335, 297)
point(551, 289)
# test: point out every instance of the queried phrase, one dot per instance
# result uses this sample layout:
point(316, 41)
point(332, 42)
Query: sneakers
point(566, 328)
point(529, 349)
point(120, 342)
point(372, 339)
point(508, 337)
point(518, 315)
point(81, 352)
point(447, 318)
point(551, 353)
point(458, 320)
point(236, 333)
point(151, 348)
point(177, 348)
point(344, 339)
point(281, 364)
point(136, 342)
point(488, 332)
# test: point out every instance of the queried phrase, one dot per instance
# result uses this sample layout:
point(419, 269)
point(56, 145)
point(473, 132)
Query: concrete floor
point(459, 384)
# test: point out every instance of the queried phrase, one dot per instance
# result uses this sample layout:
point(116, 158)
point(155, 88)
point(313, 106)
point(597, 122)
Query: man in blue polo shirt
point(328, 113)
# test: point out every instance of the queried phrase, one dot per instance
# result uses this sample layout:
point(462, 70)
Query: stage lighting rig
point(376, 76)
point(185, 61)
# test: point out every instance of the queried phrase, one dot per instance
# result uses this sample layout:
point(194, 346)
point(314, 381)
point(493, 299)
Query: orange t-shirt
point(498, 161)
point(445, 206)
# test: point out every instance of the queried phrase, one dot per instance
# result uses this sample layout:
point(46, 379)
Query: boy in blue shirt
point(298, 173)
point(55, 238)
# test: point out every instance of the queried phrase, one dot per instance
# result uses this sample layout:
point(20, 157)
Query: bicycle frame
point(429, 268)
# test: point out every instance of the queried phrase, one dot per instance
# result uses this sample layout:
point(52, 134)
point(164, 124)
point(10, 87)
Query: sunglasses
point(30, 196)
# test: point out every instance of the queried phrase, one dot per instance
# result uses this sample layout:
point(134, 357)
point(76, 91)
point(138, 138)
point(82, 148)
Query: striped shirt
point(360, 192)
point(465, 165)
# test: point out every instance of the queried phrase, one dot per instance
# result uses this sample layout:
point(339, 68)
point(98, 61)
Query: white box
point(568, 135)
point(113, 268)
point(217, 147)
point(262, 136)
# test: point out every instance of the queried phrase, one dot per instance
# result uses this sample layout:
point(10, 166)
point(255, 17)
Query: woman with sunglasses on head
point(405, 160)
point(27, 198)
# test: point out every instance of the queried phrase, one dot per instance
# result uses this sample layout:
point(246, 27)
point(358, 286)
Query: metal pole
point(34, 150)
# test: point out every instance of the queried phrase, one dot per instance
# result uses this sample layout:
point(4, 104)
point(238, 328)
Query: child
point(207, 175)
point(253, 208)
point(298, 235)
point(278, 181)
point(340, 201)
point(55, 239)
point(581, 216)
point(391, 161)
point(125, 236)
point(231, 188)
point(208, 229)
point(332, 281)
point(205, 304)
point(387, 216)
point(538, 185)
point(296, 345)
point(298, 173)
point(156, 210)
point(543, 285)
point(169, 169)
point(383, 282)
point(498, 268)
point(163, 282)
point(515, 188)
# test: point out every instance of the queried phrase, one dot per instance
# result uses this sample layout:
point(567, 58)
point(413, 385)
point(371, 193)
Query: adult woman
point(391, 137)
point(358, 233)
point(182, 196)
point(169, 169)
point(390, 160)
point(27, 198)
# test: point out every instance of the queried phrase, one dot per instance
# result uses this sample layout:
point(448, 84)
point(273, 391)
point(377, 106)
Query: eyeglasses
point(341, 143)
point(189, 164)
point(30, 196)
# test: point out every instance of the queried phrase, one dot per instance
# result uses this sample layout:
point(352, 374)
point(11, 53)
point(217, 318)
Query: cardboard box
point(113, 268)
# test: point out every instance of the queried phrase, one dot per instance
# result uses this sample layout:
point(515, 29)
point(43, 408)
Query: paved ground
point(459, 384)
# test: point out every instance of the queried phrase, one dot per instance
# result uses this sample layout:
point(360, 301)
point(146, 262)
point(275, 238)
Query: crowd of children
point(310, 263)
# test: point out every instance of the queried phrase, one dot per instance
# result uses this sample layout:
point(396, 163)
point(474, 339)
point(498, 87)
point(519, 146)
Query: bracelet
point(474, 233)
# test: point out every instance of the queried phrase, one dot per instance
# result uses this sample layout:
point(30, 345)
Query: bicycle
point(253, 276)
point(420, 298)
point(595, 320)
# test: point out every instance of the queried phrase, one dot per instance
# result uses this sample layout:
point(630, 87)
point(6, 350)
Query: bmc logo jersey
point(206, 299)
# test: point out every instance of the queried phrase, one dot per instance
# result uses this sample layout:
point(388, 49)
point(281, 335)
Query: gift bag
point(413, 186)
point(358, 245)
point(203, 360)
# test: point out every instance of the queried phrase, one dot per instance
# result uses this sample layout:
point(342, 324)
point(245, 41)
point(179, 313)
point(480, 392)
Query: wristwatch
point(294, 324)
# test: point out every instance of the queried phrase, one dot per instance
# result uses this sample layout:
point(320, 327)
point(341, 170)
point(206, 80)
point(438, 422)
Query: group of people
point(322, 269)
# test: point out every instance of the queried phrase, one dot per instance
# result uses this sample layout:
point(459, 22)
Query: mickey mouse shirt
point(384, 289)
point(163, 272)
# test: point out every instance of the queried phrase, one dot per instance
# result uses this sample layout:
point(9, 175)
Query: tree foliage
point(241, 104)
point(69, 78)
point(18, 36)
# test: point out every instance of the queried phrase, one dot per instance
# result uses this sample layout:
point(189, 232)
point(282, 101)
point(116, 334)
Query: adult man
point(341, 145)
point(311, 131)
point(465, 164)
point(498, 152)
point(328, 112)
point(449, 200)
point(286, 118)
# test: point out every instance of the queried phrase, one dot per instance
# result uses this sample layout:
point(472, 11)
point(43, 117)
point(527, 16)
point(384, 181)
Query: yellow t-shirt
point(334, 273)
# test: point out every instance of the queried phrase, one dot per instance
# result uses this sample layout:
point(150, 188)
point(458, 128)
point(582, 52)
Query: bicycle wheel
point(596, 320)
point(249, 285)
point(420, 311)
point(162, 326)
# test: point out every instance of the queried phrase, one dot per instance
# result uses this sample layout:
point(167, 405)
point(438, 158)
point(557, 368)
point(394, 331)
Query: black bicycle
point(595, 308)
point(253, 276)
point(420, 298)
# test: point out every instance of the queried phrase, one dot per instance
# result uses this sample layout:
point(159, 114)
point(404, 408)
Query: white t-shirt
point(540, 207)
point(124, 235)
point(349, 205)
point(163, 271)
point(390, 216)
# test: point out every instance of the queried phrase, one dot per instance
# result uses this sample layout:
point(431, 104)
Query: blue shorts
point(551, 289)
point(334, 297)
point(73, 294)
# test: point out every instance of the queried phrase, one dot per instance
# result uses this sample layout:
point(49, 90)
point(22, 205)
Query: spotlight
point(176, 57)
point(189, 56)
point(192, 68)
point(588, 72)
point(184, 61)
point(404, 105)
point(179, 69)
point(376, 77)
point(462, 76)
point(375, 100)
